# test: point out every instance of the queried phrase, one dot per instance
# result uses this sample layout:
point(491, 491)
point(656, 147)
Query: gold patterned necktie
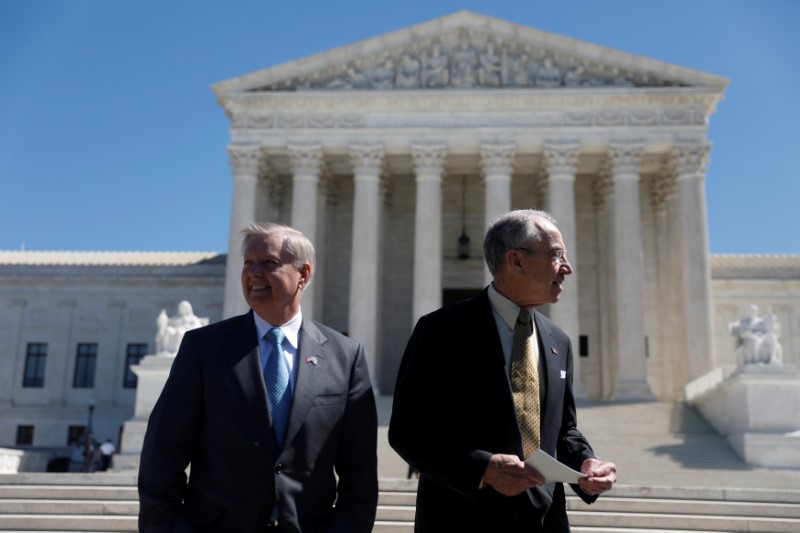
point(525, 382)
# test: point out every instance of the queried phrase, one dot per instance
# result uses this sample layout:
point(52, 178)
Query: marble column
point(429, 160)
point(627, 271)
point(497, 163)
point(244, 162)
point(561, 162)
point(662, 187)
point(306, 161)
point(602, 199)
point(697, 312)
point(674, 304)
point(364, 323)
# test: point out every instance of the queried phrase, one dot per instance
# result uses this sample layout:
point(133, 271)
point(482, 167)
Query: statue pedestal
point(152, 372)
point(756, 407)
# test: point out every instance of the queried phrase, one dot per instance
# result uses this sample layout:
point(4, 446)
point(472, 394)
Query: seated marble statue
point(757, 338)
point(169, 331)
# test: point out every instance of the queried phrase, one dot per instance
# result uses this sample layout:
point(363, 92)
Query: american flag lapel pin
point(553, 349)
point(312, 360)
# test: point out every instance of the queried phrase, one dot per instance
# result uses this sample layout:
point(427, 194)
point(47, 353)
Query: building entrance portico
point(384, 152)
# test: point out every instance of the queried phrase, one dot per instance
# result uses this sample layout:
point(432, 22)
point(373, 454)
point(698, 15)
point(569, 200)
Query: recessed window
point(133, 354)
point(85, 363)
point(74, 434)
point(35, 358)
point(24, 435)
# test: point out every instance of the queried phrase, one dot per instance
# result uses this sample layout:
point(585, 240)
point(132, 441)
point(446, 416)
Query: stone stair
point(675, 475)
point(107, 502)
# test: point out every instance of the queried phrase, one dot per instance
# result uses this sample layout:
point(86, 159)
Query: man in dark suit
point(273, 413)
point(486, 381)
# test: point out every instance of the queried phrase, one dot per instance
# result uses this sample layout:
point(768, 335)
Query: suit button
point(279, 468)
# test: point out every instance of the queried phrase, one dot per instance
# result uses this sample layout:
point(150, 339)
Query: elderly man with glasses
point(484, 384)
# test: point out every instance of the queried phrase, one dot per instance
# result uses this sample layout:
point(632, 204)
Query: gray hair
point(295, 243)
point(512, 230)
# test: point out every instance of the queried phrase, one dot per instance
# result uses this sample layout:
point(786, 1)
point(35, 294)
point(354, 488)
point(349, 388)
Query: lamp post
point(88, 441)
point(463, 240)
point(89, 429)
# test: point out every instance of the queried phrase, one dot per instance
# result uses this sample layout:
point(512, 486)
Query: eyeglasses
point(558, 255)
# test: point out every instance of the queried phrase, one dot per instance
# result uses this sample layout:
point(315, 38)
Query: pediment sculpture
point(467, 60)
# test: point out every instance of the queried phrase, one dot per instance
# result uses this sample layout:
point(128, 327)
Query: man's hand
point(601, 476)
point(509, 476)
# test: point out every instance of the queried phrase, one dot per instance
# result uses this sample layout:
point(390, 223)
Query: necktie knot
point(275, 336)
point(524, 319)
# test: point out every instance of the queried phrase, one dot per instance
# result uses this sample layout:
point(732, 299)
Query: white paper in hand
point(551, 469)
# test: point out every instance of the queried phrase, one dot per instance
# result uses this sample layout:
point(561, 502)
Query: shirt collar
point(508, 310)
point(291, 330)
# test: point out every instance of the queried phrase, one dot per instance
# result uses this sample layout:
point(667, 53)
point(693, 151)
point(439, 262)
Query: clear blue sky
point(111, 138)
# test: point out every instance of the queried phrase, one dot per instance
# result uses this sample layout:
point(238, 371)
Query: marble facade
point(110, 299)
point(366, 148)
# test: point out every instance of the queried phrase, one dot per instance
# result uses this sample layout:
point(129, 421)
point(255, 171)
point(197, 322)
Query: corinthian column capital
point(367, 159)
point(625, 158)
point(690, 157)
point(561, 158)
point(306, 159)
point(498, 158)
point(244, 158)
point(429, 158)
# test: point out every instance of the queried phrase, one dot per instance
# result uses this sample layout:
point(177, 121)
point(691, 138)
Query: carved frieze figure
point(170, 330)
point(383, 75)
point(464, 62)
point(490, 71)
point(548, 75)
point(408, 73)
point(435, 68)
point(757, 338)
point(353, 80)
point(575, 77)
point(519, 75)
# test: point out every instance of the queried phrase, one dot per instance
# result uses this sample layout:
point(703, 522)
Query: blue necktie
point(276, 377)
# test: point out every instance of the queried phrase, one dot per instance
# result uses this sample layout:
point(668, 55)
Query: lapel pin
point(553, 349)
point(312, 360)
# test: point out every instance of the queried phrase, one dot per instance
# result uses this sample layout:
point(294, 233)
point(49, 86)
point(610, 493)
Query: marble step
point(609, 521)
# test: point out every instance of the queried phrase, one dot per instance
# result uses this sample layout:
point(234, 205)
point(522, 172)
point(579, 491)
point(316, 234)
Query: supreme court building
point(393, 155)
point(389, 152)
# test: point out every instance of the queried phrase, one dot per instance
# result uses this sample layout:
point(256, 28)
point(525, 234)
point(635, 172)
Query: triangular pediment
point(468, 51)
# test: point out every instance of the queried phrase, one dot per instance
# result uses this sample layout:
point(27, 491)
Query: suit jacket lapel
point(551, 361)
point(243, 357)
point(494, 349)
point(312, 359)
